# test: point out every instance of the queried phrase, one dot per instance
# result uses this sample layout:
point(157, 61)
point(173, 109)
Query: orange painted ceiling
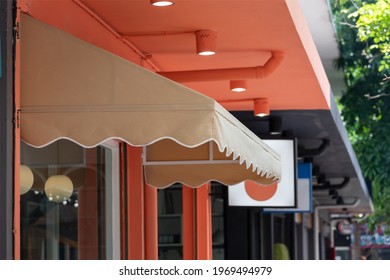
point(247, 31)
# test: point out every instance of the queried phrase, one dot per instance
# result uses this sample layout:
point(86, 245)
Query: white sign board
point(283, 194)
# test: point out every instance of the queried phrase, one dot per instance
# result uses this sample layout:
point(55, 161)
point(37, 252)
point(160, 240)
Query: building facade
point(101, 158)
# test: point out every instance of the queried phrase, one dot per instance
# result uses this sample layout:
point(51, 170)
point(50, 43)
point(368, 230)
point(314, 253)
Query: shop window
point(218, 193)
point(283, 236)
point(170, 221)
point(76, 215)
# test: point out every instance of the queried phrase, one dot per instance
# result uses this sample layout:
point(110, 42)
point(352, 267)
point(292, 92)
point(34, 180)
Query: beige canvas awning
point(71, 89)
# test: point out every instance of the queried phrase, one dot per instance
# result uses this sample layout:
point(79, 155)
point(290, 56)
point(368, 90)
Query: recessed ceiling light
point(238, 85)
point(261, 107)
point(205, 53)
point(206, 42)
point(159, 3)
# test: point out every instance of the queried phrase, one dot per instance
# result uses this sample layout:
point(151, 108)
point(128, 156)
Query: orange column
point(135, 207)
point(17, 148)
point(189, 237)
point(197, 226)
point(203, 223)
point(151, 223)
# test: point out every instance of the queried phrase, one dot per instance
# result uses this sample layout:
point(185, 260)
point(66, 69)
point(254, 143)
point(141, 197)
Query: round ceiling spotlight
point(159, 3)
point(261, 107)
point(238, 85)
point(206, 42)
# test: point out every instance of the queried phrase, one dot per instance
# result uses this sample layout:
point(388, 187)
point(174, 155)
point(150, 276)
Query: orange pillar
point(197, 226)
point(135, 206)
point(189, 237)
point(17, 148)
point(151, 223)
point(203, 223)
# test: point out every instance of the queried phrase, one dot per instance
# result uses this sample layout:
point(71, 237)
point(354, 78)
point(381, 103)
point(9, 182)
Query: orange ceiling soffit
point(134, 29)
point(257, 72)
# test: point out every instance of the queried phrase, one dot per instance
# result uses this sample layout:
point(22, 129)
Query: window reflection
point(66, 221)
point(170, 219)
point(218, 192)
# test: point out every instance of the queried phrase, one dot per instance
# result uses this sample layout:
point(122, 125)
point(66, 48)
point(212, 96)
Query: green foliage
point(363, 28)
point(373, 23)
point(280, 252)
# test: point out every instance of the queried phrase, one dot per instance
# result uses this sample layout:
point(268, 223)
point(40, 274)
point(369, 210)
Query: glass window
point(170, 212)
point(218, 193)
point(283, 236)
point(67, 210)
point(170, 222)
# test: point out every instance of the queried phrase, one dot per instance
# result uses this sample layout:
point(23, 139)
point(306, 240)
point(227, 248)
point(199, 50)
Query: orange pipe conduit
point(103, 36)
point(115, 33)
point(257, 72)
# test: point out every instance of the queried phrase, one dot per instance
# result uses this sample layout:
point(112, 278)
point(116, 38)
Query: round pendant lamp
point(58, 188)
point(26, 179)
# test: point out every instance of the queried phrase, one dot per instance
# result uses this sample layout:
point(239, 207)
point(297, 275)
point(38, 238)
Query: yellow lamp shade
point(58, 188)
point(26, 179)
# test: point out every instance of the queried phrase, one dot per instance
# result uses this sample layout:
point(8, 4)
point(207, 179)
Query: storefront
point(100, 135)
point(119, 150)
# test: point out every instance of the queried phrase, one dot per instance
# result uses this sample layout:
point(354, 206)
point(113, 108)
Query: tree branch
point(347, 24)
point(354, 3)
point(374, 56)
point(376, 96)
